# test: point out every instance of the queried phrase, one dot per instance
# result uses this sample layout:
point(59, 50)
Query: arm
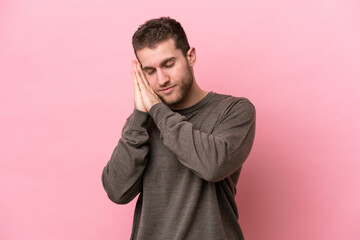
point(122, 176)
point(214, 156)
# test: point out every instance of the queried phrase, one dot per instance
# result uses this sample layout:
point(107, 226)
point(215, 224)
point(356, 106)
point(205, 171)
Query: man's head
point(167, 61)
point(157, 30)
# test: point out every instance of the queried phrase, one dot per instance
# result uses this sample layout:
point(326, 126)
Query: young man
point(182, 148)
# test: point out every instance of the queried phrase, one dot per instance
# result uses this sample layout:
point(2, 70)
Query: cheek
point(152, 82)
point(178, 72)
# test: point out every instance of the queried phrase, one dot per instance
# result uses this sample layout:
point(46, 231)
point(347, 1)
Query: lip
point(167, 90)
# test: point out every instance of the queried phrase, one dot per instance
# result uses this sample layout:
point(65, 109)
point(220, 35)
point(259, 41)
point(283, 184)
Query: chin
point(171, 101)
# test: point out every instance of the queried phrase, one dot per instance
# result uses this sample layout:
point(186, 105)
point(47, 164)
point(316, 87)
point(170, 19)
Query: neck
point(194, 96)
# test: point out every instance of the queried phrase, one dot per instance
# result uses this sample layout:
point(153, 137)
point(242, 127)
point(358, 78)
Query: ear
point(191, 56)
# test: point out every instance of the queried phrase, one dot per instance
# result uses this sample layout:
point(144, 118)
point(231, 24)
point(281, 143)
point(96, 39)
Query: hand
point(144, 96)
point(137, 96)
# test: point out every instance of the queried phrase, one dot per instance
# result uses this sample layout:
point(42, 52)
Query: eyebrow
point(163, 63)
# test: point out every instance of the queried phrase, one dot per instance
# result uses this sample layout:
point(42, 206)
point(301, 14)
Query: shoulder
point(228, 102)
point(231, 108)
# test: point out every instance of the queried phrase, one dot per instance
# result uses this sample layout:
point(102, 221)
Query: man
point(182, 148)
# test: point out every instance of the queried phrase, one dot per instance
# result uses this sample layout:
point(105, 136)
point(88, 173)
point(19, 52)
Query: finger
point(136, 72)
point(134, 78)
point(136, 85)
point(133, 72)
point(141, 74)
point(137, 95)
point(133, 65)
point(139, 82)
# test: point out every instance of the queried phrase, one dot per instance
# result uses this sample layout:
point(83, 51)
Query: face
point(168, 71)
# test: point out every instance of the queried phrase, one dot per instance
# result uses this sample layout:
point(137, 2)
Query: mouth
point(167, 90)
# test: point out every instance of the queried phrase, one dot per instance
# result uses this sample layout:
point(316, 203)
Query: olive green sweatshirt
point(185, 164)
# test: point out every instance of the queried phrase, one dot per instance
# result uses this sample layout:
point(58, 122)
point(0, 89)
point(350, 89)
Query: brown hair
point(157, 30)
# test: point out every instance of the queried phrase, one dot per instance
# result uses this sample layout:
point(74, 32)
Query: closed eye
point(149, 71)
point(170, 65)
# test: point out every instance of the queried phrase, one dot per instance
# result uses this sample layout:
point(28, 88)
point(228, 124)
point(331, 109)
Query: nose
point(163, 77)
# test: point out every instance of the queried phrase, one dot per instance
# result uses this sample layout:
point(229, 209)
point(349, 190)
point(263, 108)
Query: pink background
point(66, 91)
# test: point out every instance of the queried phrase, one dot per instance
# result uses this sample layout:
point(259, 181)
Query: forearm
point(122, 176)
point(211, 156)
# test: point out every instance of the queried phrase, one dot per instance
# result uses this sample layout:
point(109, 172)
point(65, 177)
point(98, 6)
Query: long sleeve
point(212, 156)
point(122, 176)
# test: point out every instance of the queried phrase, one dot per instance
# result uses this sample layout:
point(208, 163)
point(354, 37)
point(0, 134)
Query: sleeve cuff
point(139, 118)
point(158, 111)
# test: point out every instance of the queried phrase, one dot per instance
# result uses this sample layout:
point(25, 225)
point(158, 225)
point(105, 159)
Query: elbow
point(118, 199)
point(212, 179)
point(219, 174)
point(116, 196)
point(212, 176)
point(221, 169)
point(112, 194)
point(117, 192)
